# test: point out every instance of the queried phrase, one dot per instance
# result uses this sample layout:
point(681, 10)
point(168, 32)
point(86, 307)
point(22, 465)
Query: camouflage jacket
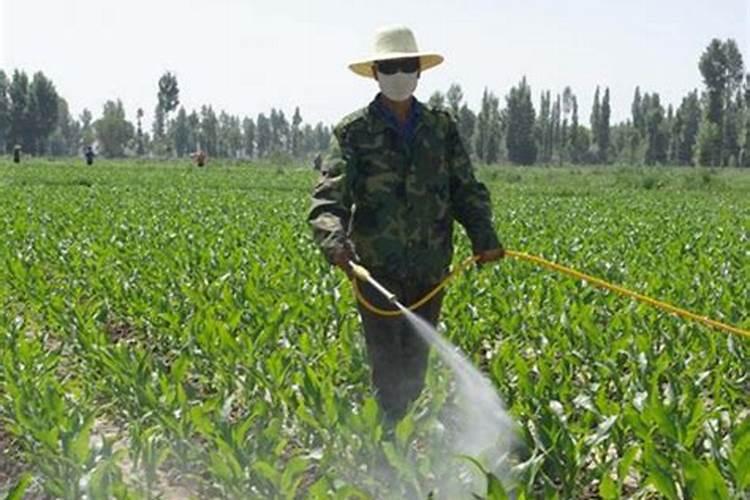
point(396, 199)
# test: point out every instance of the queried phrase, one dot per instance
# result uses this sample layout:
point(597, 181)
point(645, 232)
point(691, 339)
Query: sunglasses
point(393, 66)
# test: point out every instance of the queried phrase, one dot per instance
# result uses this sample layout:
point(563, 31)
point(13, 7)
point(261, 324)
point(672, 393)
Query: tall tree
point(603, 128)
point(66, 137)
point(454, 96)
point(233, 136)
point(169, 94)
point(466, 123)
point(437, 100)
point(708, 144)
point(565, 136)
point(87, 129)
point(279, 128)
point(19, 116)
point(596, 111)
point(296, 134)
point(656, 130)
point(159, 125)
point(544, 128)
point(43, 112)
point(113, 131)
point(322, 136)
point(181, 133)
point(745, 156)
point(722, 69)
point(4, 110)
point(140, 147)
point(495, 135)
point(636, 111)
point(578, 143)
point(224, 132)
point(209, 131)
point(556, 140)
point(168, 98)
point(264, 139)
point(488, 129)
point(520, 142)
point(194, 125)
point(688, 117)
point(309, 143)
point(674, 121)
point(248, 129)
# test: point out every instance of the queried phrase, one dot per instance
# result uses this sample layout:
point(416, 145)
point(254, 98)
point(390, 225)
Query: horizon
point(112, 50)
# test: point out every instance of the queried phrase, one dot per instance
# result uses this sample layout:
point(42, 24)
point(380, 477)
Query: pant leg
point(415, 351)
point(384, 351)
point(397, 355)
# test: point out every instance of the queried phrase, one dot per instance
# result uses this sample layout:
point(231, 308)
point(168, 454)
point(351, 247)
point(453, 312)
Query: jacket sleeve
point(470, 199)
point(331, 201)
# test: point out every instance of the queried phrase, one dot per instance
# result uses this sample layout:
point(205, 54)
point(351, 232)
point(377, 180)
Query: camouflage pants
point(397, 355)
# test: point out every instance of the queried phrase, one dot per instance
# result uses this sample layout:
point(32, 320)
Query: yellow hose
point(683, 313)
point(416, 305)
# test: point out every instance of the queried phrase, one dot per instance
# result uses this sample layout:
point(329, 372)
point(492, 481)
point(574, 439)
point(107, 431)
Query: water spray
point(485, 427)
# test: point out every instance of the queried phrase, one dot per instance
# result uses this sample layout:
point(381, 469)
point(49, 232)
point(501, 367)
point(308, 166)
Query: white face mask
point(398, 87)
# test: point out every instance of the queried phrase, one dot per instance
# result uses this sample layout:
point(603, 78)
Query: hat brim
point(427, 60)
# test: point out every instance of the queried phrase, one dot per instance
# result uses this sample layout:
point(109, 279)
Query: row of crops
point(168, 331)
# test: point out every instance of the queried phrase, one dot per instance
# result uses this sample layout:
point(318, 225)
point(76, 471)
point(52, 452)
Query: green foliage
point(686, 132)
point(43, 111)
point(522, 148)
point(181, 133)
point(708, 144)
point(602, 131)
point(4, 110)
point(173, 331)
point(169, 93)
point(28, 111)
point(437, 100)
point(113, 131)
point(655, 130)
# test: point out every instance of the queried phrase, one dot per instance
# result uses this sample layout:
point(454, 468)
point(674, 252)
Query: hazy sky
point(246, 56)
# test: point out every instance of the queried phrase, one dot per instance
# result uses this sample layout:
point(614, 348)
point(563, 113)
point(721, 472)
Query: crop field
point(168, 332)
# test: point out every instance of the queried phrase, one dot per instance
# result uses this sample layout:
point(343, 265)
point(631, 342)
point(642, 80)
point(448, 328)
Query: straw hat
point(395, 42)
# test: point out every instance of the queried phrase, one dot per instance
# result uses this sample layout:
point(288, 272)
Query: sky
point(246, 56)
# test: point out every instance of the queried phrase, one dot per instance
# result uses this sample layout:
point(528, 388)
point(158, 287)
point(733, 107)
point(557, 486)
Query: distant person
point(17, 153)
point(199, 157)
point(317, 162)
point(89, 154)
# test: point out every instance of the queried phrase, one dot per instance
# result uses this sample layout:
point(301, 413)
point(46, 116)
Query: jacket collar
point(383, 118)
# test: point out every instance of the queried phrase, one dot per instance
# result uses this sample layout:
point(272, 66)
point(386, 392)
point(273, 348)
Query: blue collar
point(408, 128)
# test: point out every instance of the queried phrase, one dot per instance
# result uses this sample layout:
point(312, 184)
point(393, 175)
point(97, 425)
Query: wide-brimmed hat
point(394, 42)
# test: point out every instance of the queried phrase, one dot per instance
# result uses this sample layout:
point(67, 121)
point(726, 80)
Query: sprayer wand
point(364, 275)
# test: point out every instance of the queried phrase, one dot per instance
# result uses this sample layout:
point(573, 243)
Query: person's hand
point(342, 255)
point(492, 255)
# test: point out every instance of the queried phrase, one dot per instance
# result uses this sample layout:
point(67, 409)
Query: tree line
point(710, 127)
point(34, 116)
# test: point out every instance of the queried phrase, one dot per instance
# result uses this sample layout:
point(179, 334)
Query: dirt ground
point(11, 467)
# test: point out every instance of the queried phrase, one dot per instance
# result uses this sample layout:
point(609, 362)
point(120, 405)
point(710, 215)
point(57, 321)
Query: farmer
point(17, 153)
point(394, 180)
point(199, 157)
point(89, 154)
